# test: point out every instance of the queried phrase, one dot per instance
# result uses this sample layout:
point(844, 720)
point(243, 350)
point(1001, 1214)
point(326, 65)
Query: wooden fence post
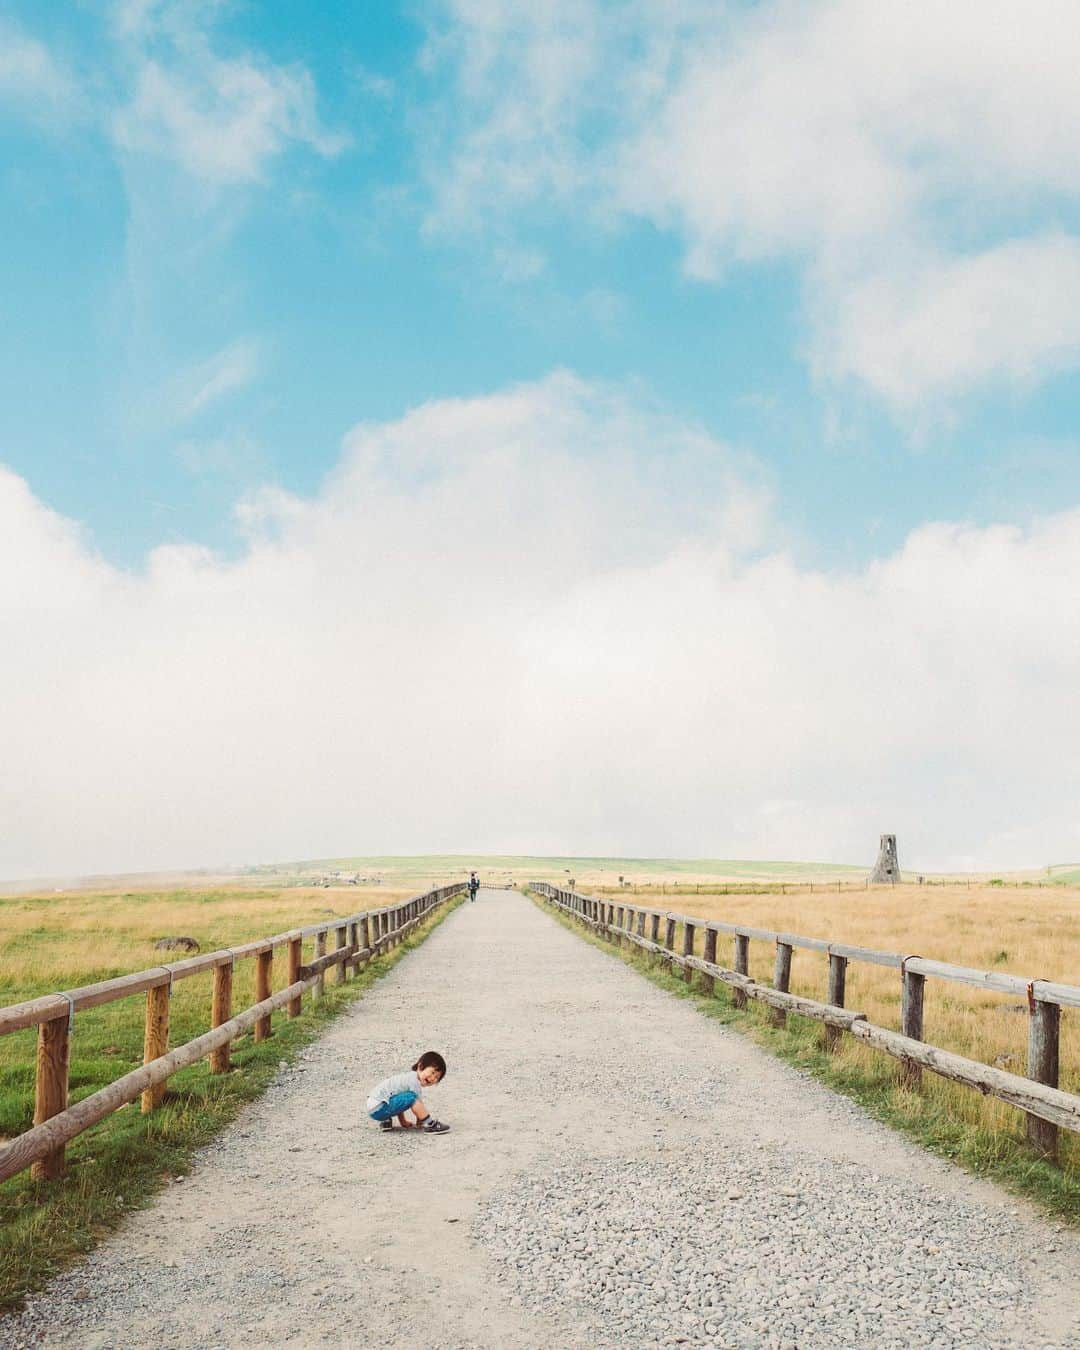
point(688, 950)
point(742, 966)
point(641, 923)
point(320, 950)
point(708, 983)
point(781, 981)
point(911, 1023)
point(835, 996)
point(669, 940)
point(51, 1088)
point(264, 979)
point(1044, 1025)
point(342, 942)
point(155, 1040)
point(292, 973)
point(654, 928)
point(221, 1011)
point(354, 943)
point(365, 936)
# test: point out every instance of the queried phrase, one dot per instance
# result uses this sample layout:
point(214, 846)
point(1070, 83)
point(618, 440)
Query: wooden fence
point(1047, 1107)
point(357, 938)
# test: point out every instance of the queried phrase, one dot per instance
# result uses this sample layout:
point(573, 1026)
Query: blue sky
point(124, 273)
point(835, 247)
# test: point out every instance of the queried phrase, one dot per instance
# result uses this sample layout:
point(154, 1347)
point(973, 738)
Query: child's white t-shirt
point(390, 1087)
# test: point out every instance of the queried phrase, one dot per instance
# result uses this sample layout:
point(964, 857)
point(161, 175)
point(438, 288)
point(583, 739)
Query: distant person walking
point(474, 885)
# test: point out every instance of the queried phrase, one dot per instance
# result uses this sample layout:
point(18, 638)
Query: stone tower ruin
point(887, 867)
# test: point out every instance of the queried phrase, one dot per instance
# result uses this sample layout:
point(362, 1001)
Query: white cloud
point(231, 369)
point(31, 73)
point(546, 617)
point(855, 139)
point(222, 120)
point(936, 329)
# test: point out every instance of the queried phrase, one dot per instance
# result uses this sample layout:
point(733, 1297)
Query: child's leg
point(398, 1104)
point(420, 1111)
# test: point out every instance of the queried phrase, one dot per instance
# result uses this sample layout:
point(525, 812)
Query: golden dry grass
point(1031, 932)
point(61, 941)
point(75, 938)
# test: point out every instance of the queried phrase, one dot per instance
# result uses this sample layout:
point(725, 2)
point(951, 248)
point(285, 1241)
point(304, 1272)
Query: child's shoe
point(386, 1126)
point(433, 1126)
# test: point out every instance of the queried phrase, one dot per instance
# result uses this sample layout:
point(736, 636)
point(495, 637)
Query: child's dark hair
point(431, 1059)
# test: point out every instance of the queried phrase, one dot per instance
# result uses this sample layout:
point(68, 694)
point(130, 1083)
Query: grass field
point(586, 870)
point(50, 942)
point(1029, 932)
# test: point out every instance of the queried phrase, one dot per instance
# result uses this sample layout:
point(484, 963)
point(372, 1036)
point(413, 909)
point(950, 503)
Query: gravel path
point(621, 1171)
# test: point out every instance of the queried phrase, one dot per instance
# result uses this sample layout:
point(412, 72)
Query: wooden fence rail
point(1038, 1095)
point(359, 937)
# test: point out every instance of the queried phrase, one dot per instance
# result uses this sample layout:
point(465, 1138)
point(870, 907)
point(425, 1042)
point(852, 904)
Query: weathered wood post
point(1044, 1027)
point(340, 975)
point(51, 1087)
point(835, 996)
point(688, 950)
point(264, 979)
point(669, 940)
point(221, 1011)
point(911, 1022)
point(781, 981)
point(155, 1040)
point(354, 943)
point(365, 936)
point(654, 928)
point(619, 926)
point(320, 950)
point(742, 966)
point(292, 972)
point(708, 983)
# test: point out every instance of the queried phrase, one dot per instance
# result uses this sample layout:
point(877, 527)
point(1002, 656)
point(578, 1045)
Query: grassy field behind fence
point(55, 942)
point(1032, 932)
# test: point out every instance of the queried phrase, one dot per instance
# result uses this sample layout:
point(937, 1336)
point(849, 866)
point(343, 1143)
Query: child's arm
point(405, 1124)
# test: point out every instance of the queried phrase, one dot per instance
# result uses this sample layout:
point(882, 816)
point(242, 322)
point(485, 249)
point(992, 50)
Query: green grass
point(1000, 1156)
point(118, 1165)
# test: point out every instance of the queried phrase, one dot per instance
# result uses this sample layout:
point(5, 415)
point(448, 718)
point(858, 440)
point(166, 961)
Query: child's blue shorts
point(400, 1101)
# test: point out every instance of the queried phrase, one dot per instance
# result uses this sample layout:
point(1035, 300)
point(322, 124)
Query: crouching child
point(403, 1092)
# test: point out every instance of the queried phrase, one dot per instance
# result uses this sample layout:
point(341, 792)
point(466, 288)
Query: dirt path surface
point(620, 1171)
